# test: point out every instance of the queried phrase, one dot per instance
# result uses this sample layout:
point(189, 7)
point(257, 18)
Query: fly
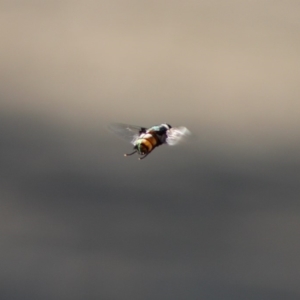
point(145, 140)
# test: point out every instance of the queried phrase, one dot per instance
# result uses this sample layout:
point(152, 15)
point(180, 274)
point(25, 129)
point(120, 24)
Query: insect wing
point(176, 134)
point(127, 132)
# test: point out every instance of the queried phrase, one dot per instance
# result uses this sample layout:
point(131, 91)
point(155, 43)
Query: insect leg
point(130, 153)
point(142, 157)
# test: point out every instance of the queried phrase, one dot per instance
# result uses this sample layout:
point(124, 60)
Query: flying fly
point(145, 140)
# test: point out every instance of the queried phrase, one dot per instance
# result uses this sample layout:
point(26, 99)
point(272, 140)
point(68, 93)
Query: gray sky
point(217, 217)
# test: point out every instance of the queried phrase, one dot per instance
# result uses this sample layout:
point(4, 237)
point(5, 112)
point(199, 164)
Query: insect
point(145, 140)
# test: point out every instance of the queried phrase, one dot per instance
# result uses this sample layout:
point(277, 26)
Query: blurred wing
point(176, 134)
point(127, 132)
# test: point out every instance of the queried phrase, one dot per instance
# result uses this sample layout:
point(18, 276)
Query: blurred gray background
point(215, 218)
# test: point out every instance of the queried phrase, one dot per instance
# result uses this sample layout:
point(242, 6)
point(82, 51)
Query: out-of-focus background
point(215, 218)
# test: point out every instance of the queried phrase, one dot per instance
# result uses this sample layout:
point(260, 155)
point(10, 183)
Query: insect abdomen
point(147, 144)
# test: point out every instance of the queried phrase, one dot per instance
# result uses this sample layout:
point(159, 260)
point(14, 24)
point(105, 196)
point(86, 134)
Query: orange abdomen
point(148, 144)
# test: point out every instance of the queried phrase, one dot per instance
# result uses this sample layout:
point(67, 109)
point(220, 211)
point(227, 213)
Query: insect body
point(146, 140)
